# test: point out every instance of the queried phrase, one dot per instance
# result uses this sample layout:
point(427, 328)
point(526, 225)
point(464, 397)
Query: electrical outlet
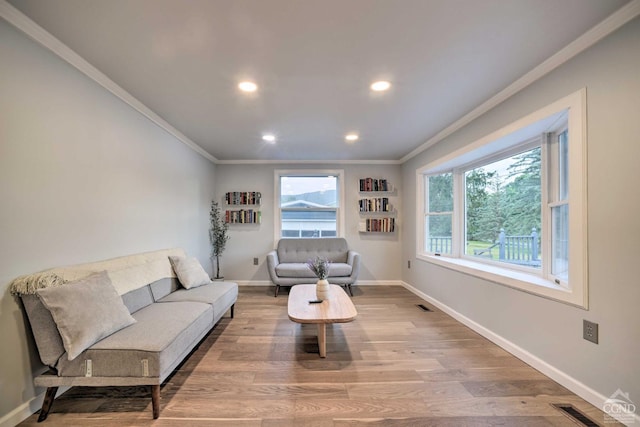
point(409, 264)
point(255, 261)
point(590, 331)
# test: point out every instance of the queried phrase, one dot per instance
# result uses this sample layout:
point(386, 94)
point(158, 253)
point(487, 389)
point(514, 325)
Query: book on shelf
point(372, 184)
point(243, 198)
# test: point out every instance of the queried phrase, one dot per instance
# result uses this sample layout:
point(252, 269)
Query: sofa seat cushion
point(300, 269)
point(221, 295)
point(162, 335)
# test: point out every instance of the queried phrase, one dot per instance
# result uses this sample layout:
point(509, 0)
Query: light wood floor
point(395, 365)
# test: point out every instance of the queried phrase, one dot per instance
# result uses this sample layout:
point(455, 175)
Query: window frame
point(279, 173)
point(493, 146)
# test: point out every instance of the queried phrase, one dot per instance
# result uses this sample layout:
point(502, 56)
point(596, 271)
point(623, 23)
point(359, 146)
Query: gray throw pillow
point(189, 271)
point(85, 311)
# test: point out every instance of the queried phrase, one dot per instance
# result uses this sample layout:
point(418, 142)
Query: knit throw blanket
point(127, 273)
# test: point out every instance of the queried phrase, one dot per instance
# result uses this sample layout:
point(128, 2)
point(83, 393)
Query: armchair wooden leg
point(155, 400)
point(49, 396)
point(277, 289)
point(350, 290)
point(232, 307)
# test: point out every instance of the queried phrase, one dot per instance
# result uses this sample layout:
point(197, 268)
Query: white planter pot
point(322, 289)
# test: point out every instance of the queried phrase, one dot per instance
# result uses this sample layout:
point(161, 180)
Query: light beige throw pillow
point(85, 311)
point(189, 272)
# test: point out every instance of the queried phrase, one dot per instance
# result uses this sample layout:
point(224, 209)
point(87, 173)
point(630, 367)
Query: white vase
point(322, 289)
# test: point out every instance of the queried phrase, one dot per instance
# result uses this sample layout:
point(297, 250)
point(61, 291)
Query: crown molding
point(588, 39)
point(23, 23)
point(308, 162)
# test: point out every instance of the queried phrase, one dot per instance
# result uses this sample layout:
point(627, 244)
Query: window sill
point(530, 283)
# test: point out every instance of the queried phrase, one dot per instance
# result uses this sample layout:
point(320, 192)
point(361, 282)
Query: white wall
point(83, 177)
point(549, 330)
point(380, 252)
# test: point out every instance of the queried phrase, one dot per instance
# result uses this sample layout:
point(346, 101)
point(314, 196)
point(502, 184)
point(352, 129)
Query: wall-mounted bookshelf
point(375, 205)
point(374, 184)
point(243, 198)
point(377, 225)
point(376, 209)
point(243, 216)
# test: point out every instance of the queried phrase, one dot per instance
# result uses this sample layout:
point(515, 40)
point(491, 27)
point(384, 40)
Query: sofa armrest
point(272, 262)
point(353, 259)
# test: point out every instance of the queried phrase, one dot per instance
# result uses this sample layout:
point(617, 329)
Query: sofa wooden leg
point(277, 289)
point(49, 396)
point(232, 307)
point(155, 400)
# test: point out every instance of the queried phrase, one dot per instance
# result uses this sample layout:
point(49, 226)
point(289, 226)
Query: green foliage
point(513, 204)
point(218, 231)
point(320, 267)
point(483, 210)
point(440, 200)
point(523, 197)
point(217, 234)
point(441, 193)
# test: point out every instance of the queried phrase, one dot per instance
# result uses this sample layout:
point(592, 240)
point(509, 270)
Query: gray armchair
point(288, 262)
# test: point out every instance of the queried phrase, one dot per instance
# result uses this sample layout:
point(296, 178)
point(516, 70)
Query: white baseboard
point(25, 410)
point(359, 283)
point(22, 412)
point(570, 383)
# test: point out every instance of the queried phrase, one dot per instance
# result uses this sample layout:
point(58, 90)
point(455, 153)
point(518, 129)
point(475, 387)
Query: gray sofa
point(169, 322)
point(287, 263)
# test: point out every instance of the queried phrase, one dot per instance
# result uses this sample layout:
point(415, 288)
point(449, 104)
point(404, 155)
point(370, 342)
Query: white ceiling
point(314, 61)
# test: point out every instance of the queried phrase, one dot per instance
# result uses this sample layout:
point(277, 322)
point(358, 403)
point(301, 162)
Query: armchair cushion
point(298, 269)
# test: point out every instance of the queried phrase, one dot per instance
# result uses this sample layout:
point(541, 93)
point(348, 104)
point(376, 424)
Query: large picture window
point(511, 207)
point(309, 203)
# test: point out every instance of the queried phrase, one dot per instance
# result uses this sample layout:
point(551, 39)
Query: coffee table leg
point(322, 339)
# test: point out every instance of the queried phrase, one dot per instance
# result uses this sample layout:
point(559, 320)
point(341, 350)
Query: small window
point(439, 213)
point(309, 203)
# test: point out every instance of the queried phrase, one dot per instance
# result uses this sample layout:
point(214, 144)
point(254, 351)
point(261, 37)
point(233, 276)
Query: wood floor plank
point(395, 365)
point(412, 390)
point(515, 388)
point(481, 374)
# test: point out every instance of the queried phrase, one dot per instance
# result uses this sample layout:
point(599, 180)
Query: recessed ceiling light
point(248, 86)
point(351, 137)
point(268, 137)
point(380, 86)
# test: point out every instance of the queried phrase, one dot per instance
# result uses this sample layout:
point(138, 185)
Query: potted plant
point(217, 236)
point(320, 267)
